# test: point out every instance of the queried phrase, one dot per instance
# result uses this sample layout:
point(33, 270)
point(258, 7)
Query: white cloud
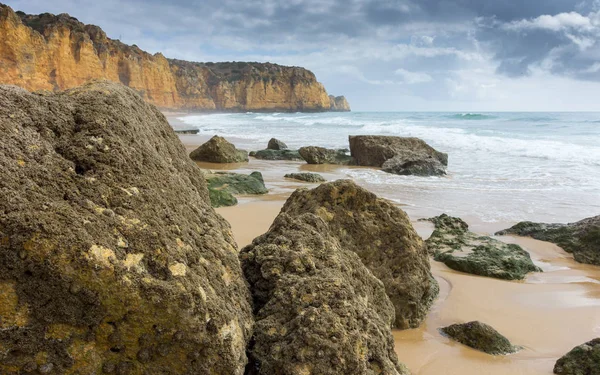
point(413, 77)
point(558, 22)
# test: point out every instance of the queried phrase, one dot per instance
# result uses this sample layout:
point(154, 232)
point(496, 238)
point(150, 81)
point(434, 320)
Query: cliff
point(338, 104)
point(48, 52)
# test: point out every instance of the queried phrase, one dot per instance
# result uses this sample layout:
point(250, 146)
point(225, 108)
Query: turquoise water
point(503, 166)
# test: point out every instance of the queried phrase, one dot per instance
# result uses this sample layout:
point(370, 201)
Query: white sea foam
point(502, 166)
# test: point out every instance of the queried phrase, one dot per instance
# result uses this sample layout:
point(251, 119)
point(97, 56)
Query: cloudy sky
point(459, 55)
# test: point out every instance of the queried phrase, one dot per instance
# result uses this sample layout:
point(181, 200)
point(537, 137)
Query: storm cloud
point(384, 54)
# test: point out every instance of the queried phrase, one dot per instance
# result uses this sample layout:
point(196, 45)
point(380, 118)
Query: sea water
point(503, 167)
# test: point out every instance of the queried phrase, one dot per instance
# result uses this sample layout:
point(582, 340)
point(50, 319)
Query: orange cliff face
point(48, 52)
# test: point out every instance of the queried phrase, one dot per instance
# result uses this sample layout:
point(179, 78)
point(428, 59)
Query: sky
point(383, 55)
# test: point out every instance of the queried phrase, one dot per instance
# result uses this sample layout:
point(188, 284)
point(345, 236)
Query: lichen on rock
point(111, 258)
point(222, 186)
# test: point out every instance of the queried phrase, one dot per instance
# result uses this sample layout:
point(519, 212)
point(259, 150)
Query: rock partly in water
point(453, 244)
point(306, 177)
point(219, 150)
point(481, 337)
point(112, 259)
point(399, 155)
point(321, 155)
point(276, 144)
point(318, 309)
point(413, 164)
point(382, 236)
point(582, 238)
point(582, 360)
point(293, 155)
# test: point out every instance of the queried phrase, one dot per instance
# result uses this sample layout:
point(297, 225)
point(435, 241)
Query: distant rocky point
point(56, 52)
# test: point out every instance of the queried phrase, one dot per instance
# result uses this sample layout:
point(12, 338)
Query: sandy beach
point(547, 314)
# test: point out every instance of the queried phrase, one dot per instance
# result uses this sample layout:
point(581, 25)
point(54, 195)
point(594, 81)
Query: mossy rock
point(221, 198)
point(582, 238)
point(223, 185)
point(306, 177)
point(582, 360)
point(454, 245)
point(480, 336)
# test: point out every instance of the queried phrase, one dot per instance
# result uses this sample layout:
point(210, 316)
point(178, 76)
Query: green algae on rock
point(306, 177)
point(454, 245)
point(582, 238)
point(222, 186)
point(219, 150)
point(481, 337)
point(322, 155)
point(112, 259)
point(318, 309)
point(582, 360)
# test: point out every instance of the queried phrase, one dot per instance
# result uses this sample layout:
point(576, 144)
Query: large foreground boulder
point(318, 309)
point(480, 336)
point(382, 236)
point(322, 155)
point(219, 150)
point(460, 249)
point(111, 259)
point(582, 360)
point(582, 238)
point(398, 155)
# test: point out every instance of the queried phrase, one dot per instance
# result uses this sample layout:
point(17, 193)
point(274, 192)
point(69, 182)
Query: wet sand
point(547, 314)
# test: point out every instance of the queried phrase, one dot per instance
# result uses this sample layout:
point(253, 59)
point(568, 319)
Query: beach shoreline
point(547, 314)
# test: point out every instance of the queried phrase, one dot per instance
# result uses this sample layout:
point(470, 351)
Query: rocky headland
point(56, 52)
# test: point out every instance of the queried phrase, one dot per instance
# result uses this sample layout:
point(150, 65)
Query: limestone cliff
point(338, 104)
point(48, 52)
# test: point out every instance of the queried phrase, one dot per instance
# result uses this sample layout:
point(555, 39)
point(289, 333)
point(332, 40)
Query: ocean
point(503, 167)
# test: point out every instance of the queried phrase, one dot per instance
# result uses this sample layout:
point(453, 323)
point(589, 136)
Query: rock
point(221, 198)
point(414, 164)
point(382, 236)
point(318, 309)
point(69, 53)
point(112, 259)
point(219, 150)
point(481, 337)
point(321, 155)
point(223, 185)
point(307, 177)
point(453, 244)
point(338, 104)
point(277, 155)
point(582, 238)
point(409, 155)
point(582, 360)
point(276, 144)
